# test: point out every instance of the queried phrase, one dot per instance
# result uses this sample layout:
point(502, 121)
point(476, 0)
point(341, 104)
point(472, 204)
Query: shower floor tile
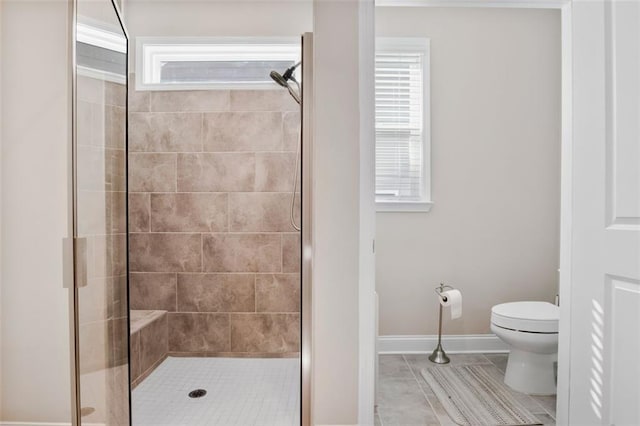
point(240, 391)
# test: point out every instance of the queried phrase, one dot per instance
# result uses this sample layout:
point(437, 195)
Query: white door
point(605, 290)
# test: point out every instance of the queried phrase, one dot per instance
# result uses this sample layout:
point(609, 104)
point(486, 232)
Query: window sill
point(403, 207)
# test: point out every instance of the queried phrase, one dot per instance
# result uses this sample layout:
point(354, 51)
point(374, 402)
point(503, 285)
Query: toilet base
point(531, 373)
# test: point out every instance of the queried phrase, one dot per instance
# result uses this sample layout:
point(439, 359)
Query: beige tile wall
point(211, 242)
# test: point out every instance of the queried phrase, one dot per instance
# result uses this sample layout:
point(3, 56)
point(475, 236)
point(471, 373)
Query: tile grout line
point(194, 192)
point(207, 273)
point(421, 390)
point(151, 152)
point(202, 111)
point(205, 232)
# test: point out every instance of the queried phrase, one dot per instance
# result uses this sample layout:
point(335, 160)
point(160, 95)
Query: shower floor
point(240, 391)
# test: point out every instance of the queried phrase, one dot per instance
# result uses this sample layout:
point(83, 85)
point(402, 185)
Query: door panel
point(622, 55)
point(622, 198)
point(623, 303)
point(100, 212)
point(605, 299)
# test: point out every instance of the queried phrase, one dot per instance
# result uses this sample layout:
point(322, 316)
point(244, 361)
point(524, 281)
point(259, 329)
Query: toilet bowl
point(530, 329)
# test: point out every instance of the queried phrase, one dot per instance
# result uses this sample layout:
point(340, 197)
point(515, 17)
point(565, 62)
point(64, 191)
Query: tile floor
point(240, 391)
point(405, 399)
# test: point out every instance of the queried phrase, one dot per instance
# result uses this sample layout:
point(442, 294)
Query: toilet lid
point(533, 317)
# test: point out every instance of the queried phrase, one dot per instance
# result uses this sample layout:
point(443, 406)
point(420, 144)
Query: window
point(212, 63)
point(101, 51)
point(402, 124)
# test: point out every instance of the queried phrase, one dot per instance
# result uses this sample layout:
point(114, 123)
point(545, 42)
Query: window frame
point(99, 34)
point(423, 46)
point(150, 51)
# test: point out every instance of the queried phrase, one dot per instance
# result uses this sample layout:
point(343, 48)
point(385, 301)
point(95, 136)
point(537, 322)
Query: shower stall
point(191, 211)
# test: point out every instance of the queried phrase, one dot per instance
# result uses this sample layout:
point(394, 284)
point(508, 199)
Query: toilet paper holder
point(440, 289)
point(438, 355)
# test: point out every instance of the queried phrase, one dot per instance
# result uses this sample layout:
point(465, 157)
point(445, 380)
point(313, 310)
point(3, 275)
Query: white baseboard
point(457, 344)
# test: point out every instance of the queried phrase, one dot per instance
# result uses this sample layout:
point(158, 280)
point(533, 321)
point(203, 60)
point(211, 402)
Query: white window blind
point(400, 123)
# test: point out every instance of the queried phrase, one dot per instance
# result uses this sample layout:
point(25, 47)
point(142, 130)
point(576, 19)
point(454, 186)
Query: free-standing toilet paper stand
point(438, 356)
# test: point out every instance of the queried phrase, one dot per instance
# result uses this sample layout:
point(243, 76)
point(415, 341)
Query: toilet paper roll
point(454, 301)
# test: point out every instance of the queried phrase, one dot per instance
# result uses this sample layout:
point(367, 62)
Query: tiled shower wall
point(211, 242)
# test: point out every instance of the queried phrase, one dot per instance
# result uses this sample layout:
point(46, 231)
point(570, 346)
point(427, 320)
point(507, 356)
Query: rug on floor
point(472, 396)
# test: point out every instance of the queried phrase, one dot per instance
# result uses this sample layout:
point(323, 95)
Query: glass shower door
point(100, 215)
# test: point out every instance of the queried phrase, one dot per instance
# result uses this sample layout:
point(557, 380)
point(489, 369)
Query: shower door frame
point(72, 263)
point(306, 232)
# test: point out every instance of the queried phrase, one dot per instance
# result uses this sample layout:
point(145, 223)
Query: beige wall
point(343, 231)
point(35, 216)
point(495, 112)
point(218, 17)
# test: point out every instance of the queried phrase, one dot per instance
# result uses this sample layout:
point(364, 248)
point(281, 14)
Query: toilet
point(530, 329)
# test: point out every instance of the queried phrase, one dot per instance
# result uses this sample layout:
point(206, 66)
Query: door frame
point(306, 233)
point(566, 168)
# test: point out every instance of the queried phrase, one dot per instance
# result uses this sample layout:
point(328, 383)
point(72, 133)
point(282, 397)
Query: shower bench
point(149, 343)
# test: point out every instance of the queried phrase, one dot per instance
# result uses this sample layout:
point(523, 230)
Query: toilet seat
point(530, 317)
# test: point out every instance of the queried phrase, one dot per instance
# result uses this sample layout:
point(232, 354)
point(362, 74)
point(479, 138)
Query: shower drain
point(198, 393)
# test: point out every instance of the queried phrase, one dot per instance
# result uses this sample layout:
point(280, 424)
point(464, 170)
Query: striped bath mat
point(472, 396)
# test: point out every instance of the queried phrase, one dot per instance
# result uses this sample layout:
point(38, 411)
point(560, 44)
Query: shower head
point(278, 78)
point(283, 80)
